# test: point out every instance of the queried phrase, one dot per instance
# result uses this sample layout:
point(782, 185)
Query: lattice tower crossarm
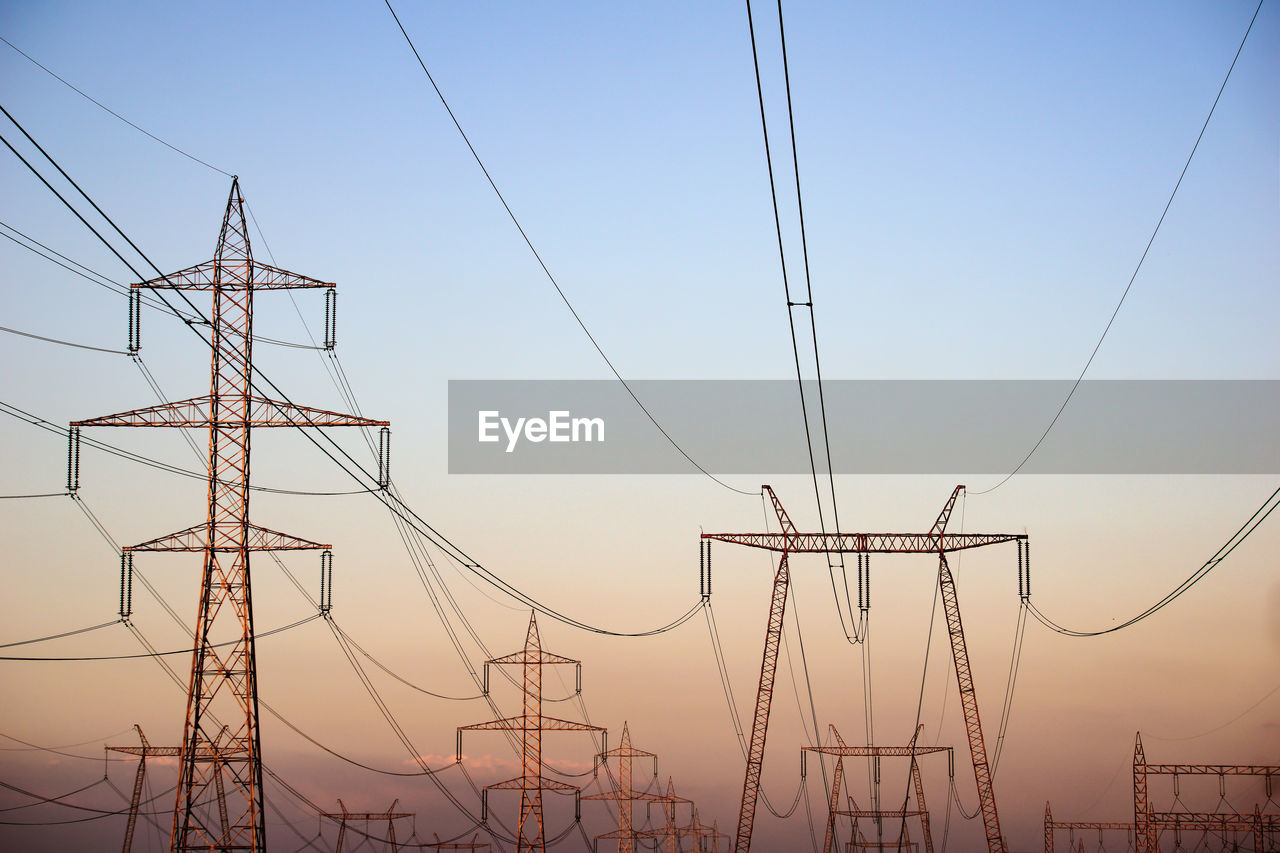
point(530, 829)
point(1051, 826)
point(222, 765)
point(936, 541)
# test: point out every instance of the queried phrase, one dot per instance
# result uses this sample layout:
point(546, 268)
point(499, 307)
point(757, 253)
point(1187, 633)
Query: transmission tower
point(530, 830)
point(144, 751)
point(936, 541)
point(344, 817)
point(706, 838)
point(219, 802)
point(841, 751)
point(1051, 826)
point(1148, 824)
point(667, 834)
point(625, 794)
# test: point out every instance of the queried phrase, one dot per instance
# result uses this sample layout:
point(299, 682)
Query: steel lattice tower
point(219, 802)
point(530, 830)
point(937, 541)
point(626, 794)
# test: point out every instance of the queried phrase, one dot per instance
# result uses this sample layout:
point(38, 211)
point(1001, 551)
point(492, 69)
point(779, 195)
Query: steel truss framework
point(530, 830)
point(841, 751)
point(937, 540)
point(219, 803)
point(625, 795)
point(1148, 824)
point(342, 818)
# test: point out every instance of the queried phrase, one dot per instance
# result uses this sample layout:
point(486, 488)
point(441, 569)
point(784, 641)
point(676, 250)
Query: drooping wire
point(61, 342)
point(113, 112)
point(359, 474)
point(1015, 661)
point(546, 270)
point(1260, 515)
point(1136, 269)
point(59, 636)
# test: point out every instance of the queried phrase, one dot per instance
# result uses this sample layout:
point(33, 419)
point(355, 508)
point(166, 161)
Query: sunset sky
point(980, 182)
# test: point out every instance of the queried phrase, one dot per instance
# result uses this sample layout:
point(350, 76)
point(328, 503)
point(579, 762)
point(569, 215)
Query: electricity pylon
point(1051, 825)
point(344, 817)
point(667, 834)
point(936, 541)
point(530, 831)
point(220, 760)
point(1148, 824)
point(626, 794)
point(841, 751)
point(145, 751)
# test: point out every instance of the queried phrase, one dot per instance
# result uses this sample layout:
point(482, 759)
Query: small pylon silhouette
point(667, 834)
point(625, 794)
point(530, 830)
point(345, 817)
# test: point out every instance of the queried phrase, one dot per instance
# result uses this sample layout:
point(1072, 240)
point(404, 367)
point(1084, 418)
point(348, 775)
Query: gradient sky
point(979, 184)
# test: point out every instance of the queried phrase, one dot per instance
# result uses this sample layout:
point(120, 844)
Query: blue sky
point(979, 184)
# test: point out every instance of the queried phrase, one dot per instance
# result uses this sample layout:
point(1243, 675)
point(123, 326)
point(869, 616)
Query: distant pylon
point(530, 830)
point(219, 804)
point(143, 752)
point(626, 794)
point(667, 834)
point(345, 817)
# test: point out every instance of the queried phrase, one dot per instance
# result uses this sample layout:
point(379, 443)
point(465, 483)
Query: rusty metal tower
point(839, 750)
point(1051, 825)
point(530, 830)
point(144, 751)
point(667, 834)
point(345, 817)
point(219, 802)
point(937, 541)
point(1148, 824)
point(625, 794)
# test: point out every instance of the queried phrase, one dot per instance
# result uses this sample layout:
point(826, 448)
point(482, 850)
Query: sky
point(979, 185)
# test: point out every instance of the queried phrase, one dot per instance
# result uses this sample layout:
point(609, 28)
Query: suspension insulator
point(484, 805)
point(384, 458)
point(1026, 551)
point(459, 749)
point(135, 320)
point(330, 318)
point(868, 565)
point(702, 568)
point(804, 754)
point(326, 581)
point(128, 588)
point(577, 679)
point(124, 562)
point(485, 688)
point(1022, 593)
point(577, 806)
point(73, 459)
point(708, 569)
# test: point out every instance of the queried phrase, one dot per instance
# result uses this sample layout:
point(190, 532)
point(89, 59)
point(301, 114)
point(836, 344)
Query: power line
point(359, 474)
point(1260, 515)
point(1136, 269)
point(63, 343)
point(543, 264)
point(153, 654)
point(113, 112)
point(60, 636)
